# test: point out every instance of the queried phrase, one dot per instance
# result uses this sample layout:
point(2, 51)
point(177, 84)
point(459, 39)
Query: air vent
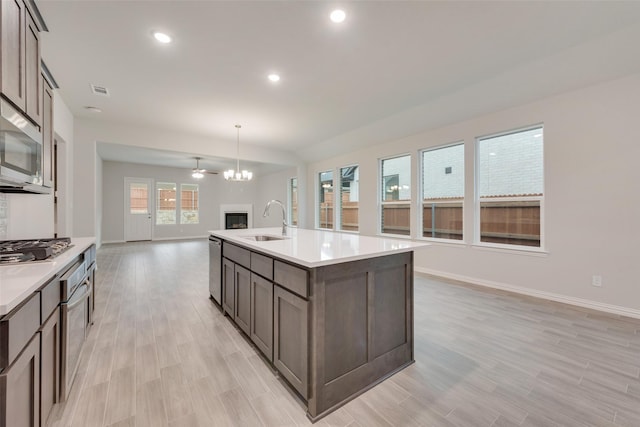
point(99, 90)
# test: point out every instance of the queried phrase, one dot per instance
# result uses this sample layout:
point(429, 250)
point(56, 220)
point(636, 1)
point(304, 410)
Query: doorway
point(138, 209)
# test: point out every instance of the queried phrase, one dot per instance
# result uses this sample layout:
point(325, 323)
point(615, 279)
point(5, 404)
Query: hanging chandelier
point(238, 175)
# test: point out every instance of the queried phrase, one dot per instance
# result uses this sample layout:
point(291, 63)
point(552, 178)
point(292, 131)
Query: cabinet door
point(228, 287)
point(20, 389)
point(32, 78)
point(12, 38)
point(262, 315)
point(243, 298)
point(50, 358)
point(47, 135)
point(290, 337)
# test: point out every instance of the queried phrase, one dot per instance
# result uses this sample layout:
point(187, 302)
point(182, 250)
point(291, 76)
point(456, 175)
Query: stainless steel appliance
point(14, 251)
point(215, 272)
point(77, 288)
point(20, 152)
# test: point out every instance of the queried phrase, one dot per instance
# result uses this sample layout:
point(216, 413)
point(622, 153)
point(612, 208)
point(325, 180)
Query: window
point(189, 204)
point(166, 203)
point(510, 187)
point(138, 200)
point(325, 200)
point(395, 195)
point(293, 201)
point(443, 192)
point(349, 198)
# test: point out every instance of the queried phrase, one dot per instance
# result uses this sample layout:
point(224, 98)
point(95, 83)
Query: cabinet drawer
point(262, 265)
point(292, 278)
point(237, 254)
point(17, 328)
point(49, 299)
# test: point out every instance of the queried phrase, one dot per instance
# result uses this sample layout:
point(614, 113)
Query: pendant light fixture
point(238, 175)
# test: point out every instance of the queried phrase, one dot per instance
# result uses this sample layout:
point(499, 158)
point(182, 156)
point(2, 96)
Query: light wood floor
point(161, 354)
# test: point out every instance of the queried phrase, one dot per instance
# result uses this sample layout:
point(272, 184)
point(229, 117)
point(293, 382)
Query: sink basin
point(265, 238)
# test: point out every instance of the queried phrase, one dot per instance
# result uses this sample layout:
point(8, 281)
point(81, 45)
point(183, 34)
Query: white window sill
point(443, 242)
point(527, 251)
point(395, 236)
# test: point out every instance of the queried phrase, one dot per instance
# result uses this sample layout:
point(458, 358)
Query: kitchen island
point(333, 312)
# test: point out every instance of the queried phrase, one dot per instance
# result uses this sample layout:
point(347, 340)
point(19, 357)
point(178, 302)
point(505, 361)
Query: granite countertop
point(315, 248)
point(19, 281)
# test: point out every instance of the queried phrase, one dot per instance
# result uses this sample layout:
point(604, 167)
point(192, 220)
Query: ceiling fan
point(198, 173)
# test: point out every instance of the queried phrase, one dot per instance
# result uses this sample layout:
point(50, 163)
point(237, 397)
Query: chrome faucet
point(284, 214)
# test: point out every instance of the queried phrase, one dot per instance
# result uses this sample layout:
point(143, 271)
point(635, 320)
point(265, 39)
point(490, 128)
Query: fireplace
point(235, 220)
point(236, 217)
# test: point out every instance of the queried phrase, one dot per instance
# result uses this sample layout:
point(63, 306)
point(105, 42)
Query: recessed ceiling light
point(338, 16)
point(93, 109)
point(274, 77)
point(162, 37)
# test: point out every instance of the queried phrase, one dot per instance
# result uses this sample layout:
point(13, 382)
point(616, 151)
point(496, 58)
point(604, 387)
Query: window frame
point(338, 210)
point(181, 204)
point(421, 203)
point(382, 202)
point(290, 201)
point(477, 200)
point(157, 203)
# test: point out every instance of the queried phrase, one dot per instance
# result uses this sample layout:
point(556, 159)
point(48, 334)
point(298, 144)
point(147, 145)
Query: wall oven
point(77, 288)
point(20, 152)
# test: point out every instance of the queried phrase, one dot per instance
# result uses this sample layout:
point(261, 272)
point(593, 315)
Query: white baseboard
point(180, 238)
point(106, 242)
point(594, 305)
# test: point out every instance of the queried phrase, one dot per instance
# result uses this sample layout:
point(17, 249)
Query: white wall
point(272, 186)
point(213, 190)
point(88, 132)
point(592, 205)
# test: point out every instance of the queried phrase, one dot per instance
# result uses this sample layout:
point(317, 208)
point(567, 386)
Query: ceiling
point(392, 69)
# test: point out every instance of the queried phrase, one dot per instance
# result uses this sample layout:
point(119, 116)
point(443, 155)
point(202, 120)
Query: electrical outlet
point(596, 281)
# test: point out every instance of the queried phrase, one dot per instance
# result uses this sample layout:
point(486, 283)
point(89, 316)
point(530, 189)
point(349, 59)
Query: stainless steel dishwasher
point(215, 271)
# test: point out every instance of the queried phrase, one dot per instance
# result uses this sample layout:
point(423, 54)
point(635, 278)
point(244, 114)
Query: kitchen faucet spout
point(284, 214)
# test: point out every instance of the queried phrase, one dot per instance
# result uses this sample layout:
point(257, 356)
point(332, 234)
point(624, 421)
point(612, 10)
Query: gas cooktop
point(15, 251)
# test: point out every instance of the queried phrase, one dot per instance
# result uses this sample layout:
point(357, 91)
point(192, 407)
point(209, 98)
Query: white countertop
point(315, 248)
point(18, 281)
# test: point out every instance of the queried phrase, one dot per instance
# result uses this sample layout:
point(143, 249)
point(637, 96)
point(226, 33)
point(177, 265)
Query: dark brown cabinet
point(33, 79)
point(47, 135)
point(228, 287)
point(50, 364)
point(242, 312)
point(20, 51)
point(12, 48)
point(20, 389)
point(261, 331)
point(290, 338)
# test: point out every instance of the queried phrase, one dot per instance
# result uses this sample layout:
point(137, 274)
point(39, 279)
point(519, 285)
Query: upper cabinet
point(33, 82)
point(20, 71)
point(12, 46)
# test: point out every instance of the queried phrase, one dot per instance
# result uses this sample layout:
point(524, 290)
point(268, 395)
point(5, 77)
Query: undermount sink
point(265, 238)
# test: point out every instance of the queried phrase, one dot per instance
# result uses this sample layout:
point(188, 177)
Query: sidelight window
point(165, 203)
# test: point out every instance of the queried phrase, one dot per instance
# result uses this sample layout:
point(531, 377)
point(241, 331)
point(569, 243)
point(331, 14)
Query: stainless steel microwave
point(20, 152)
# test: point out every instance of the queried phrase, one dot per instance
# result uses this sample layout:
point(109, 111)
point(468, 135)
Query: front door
point(138, 209)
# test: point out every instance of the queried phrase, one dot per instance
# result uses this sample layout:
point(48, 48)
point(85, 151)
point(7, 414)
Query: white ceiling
point(393, 68)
